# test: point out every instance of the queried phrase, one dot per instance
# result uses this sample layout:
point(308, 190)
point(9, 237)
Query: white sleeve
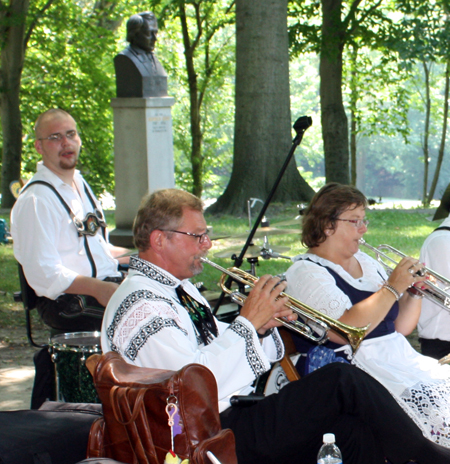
point(154, 334)
point(313, 285)
point(35, 228)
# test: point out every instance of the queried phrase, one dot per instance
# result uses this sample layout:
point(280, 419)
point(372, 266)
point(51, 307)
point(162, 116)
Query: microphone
point(302, 123)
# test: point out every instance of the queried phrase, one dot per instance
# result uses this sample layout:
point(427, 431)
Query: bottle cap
point(329, 438)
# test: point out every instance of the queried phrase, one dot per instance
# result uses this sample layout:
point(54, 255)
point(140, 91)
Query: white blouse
point(316, 287)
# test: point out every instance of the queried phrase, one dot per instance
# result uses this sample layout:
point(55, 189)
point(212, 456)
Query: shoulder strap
point(72, 216)
point(441, 228)
point(50, 186)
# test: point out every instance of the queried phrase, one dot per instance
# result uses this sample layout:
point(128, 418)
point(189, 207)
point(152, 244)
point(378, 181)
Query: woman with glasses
point(338, 279)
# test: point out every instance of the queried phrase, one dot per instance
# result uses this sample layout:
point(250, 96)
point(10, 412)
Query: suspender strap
point(72, 216)
point(441, 228)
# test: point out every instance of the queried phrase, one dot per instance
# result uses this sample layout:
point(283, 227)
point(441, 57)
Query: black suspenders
point(441, 228)
point(72, 216)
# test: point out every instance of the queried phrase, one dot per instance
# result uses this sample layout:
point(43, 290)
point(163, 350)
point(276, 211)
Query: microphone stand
point(300, 127)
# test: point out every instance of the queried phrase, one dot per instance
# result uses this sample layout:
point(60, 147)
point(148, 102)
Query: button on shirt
point(46, 241)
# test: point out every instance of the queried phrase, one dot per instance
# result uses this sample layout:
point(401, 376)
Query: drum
point(69, 351)
point(274, 380)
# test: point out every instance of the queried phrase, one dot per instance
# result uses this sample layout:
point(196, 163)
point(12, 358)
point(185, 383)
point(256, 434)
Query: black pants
point(368, 423)
point(434, 348)
point(73, 313)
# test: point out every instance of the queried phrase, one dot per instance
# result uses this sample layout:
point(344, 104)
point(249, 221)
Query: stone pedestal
point(143, 156)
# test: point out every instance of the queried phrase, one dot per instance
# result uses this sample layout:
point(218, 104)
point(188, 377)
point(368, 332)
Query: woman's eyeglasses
point(358, 223)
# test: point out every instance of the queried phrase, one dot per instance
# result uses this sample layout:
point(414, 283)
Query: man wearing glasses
point(158, 319)
point(59, 233)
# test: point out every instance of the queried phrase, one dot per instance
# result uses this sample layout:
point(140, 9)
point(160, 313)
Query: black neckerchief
point(200, 315)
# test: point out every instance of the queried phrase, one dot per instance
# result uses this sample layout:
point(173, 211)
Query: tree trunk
point(353, 108)
point(11, 59)
point(443, 135)
point(426, 135)
point(262, 134)
point(194, 107)
point(334, 119)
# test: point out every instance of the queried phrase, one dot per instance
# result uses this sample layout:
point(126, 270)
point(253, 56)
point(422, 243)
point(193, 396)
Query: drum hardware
point(251, 202)
point(69, 352)
point(267, 253)
point(321, 322)
point(432, 292)
point(253, 251)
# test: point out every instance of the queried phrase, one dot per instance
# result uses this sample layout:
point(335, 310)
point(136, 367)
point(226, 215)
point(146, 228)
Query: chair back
point(28, 295)
point(28, 298)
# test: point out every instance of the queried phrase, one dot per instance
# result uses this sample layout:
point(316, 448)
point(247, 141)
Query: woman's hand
point(406, 274)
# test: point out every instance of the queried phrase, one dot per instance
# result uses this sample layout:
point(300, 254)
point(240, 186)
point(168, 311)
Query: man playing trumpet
point(158, 319)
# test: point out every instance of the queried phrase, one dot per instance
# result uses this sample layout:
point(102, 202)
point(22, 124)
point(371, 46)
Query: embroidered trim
point(251, 353)
point(126, 305)
point(153, 327)
point(146, 269)
point(409, 404)
point(278, 345)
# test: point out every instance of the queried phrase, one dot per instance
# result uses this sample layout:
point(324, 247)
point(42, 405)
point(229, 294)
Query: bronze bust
point(138, 71)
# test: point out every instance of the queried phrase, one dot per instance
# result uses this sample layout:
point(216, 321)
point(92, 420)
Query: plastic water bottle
point(329, 453)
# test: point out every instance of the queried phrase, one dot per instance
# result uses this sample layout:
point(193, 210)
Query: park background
point(374, 77)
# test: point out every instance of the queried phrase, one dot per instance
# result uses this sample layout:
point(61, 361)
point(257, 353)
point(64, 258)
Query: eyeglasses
point(358, 223)
point(58, 137)
point(201, 237)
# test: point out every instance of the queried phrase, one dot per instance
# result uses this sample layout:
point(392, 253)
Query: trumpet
point(433, 291)
point(321, 322)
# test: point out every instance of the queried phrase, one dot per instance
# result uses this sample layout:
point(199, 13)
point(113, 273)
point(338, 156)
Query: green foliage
point(209, 40)
point(69, 65)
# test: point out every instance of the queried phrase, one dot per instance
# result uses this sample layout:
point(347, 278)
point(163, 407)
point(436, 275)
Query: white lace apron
point(426, 399)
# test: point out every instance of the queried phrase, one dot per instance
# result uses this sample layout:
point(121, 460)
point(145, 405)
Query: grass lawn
point(404, 229)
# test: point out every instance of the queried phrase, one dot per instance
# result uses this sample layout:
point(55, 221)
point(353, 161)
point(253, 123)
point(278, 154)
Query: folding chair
point(289, 349)
point(29, 298)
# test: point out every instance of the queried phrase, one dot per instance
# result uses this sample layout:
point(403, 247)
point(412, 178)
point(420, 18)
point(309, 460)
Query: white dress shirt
point(434, 320)
point(46, 241)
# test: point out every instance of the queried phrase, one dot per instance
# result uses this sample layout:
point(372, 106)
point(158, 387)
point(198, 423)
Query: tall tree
point(15, 33)
point(262, 135)
point(203, 30)
point(426, 40)
point(58, 57)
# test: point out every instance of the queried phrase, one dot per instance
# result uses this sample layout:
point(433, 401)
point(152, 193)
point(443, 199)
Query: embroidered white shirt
point(146, 324)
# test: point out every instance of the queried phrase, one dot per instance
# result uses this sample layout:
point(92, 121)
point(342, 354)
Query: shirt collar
point(52, 177)
point(153, 272)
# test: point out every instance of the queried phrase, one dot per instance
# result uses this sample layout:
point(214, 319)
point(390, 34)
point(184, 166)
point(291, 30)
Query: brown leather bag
point(135, 429)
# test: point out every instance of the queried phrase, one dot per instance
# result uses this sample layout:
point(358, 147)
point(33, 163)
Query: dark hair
point(162, 209)
point(325, 207)
point(136, 22)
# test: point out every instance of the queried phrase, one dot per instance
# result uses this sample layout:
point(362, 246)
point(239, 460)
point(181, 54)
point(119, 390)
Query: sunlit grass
point(403, 229)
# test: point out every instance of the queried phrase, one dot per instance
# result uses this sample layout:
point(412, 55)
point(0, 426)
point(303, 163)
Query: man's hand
point(264, 304)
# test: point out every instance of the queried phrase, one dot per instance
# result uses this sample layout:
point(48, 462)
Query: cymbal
point(266, 231)
point(253, 251)
point(297, 221)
